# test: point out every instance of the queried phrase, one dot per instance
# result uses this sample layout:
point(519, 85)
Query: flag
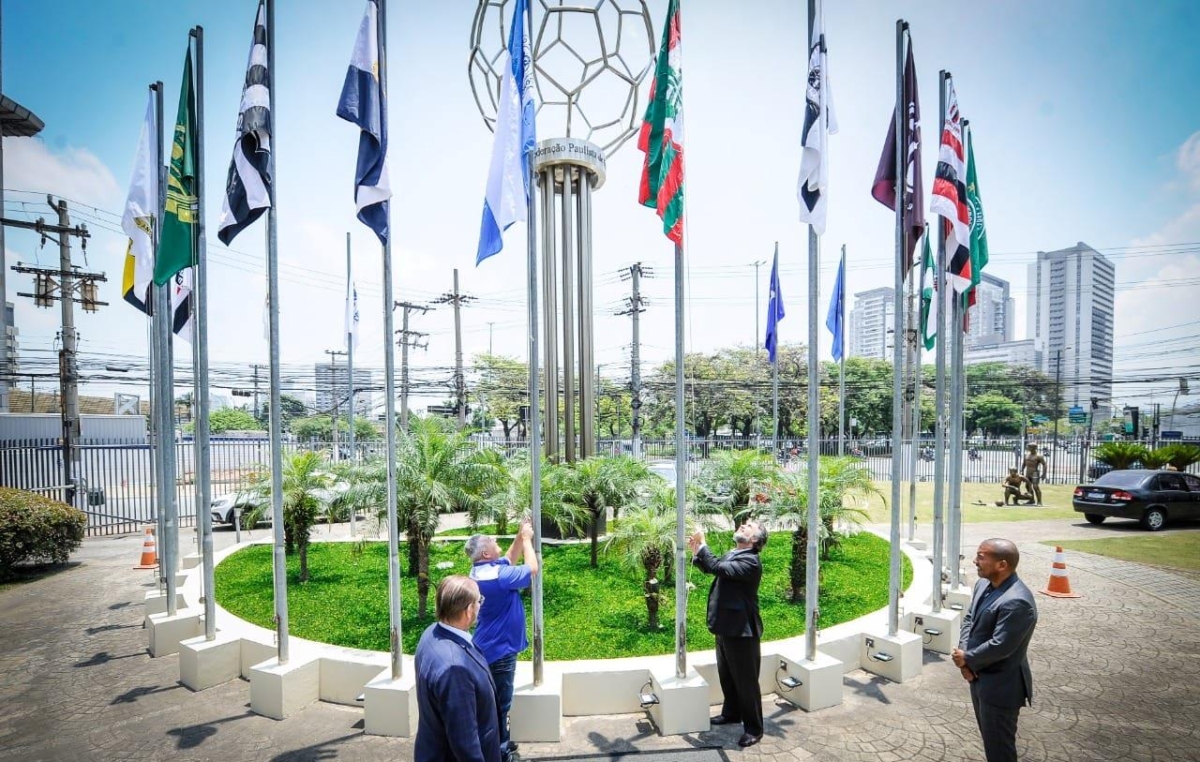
point(835, 321)
point(140, 216)
point(364, 103)
point(819, 122)
point(661, 136)
point(508, 189)
point(950, 196)
point(884, 188)
point(351, 331)
point(929, 297)
point(182, 304)
point(979, 244)
point(774, 310)
point(248, 189)
point(180, 231)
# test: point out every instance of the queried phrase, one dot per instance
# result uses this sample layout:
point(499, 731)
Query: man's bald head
point(1003, 550)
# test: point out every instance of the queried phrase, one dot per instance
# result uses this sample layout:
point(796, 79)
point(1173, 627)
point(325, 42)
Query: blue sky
point(1083, 113)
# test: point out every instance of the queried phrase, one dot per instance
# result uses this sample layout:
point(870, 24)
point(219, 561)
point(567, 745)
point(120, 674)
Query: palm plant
point(733, 476)
point(514, 495)
point(1181, 455)
point(1155, 459)
point(306, 490)
point(599, 483)
point(645, 539)
point(841, 484)
point(1119, 455)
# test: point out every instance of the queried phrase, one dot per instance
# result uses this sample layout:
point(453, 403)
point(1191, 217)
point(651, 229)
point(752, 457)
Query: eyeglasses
point(480, 601)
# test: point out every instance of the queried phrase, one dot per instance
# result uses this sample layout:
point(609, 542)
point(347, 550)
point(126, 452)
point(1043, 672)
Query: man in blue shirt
point(500, 631)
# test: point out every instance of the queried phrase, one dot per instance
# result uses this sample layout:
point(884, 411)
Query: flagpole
point(897, 334)
point(160, 326)
point(941, 285)
point(681, 573)
point(842, 364)
point(773, 305)
point(389, 364)
point(200, 300)
point(957, 384)
point(535, 434)
point(812, 574)
point(352, 308)
point(279, 566)
point(913, 372)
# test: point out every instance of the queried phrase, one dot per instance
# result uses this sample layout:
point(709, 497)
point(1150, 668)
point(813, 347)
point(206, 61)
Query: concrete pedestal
point(280, 690)
point(190, 561)
point(904, 648)
point(682, 703)
point(918, 545)
point(959, 598)
point(205, 663)
point(390, 706)
point(536, 714)
point(167, 632)
point(938, 632)
point(820, 682)
point(156, 602)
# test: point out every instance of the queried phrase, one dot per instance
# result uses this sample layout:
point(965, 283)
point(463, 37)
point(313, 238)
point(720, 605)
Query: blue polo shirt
point(500, 629)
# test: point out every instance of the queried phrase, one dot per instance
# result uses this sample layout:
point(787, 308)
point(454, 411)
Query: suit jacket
point(456, 701)
point(995, 638)
point(733, 596)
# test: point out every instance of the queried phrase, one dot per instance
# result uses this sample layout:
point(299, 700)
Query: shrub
point(36, 529)
point(1119, 455)
point(1181, 455)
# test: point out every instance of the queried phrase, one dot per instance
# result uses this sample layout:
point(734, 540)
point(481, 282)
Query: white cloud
point(74, 173)
point(1188, 159)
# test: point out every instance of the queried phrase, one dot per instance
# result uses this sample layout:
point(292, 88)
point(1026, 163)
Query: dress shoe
point(748, 740)
point(721, 719)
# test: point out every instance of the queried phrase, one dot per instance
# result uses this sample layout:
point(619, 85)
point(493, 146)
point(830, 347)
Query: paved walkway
point(1117, 675)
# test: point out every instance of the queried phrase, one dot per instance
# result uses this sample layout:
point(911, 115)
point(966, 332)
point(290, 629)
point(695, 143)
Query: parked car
point(223, 507)
point(1098, 469)
point(1151, 497)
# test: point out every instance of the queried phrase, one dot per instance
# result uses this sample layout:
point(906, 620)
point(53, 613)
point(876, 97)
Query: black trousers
point(997, 727)
point(738, 664)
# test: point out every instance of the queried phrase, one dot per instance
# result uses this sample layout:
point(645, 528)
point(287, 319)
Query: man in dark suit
point(733, 617)
point(456, 698)
point(993, 645)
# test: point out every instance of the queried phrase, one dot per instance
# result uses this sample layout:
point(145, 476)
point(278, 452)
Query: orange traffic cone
point(149, 553)
point(1059, 586)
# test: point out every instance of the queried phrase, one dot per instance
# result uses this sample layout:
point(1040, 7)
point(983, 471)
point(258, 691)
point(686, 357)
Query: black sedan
point(1151, 497)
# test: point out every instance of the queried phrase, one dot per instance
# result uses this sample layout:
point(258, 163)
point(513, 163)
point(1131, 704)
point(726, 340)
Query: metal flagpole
point(842, 365)
point(812, 574)
point(911, 342)
point(200, 300)
point(389, 386)
point(535, 443)
point(939, 462)
point(161, 330)
point(352, 297)
point(898, 333)
point(773, 305)
point(681, 569)
point(957, 388)
point(276, 415)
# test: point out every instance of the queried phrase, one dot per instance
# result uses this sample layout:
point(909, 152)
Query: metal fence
point(116, 482)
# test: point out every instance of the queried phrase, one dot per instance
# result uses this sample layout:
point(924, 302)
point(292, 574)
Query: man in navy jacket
point(456, 698)
point(733, 617)
point(993, 646)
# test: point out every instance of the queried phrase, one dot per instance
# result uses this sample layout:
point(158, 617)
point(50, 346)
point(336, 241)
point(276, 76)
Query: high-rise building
point(1008, 353)
point(332, 384)
point(1070, 319)
point(992, 316)
point(871, 321)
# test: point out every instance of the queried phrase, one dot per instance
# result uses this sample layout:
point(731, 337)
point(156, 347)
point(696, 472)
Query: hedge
point(36, 529)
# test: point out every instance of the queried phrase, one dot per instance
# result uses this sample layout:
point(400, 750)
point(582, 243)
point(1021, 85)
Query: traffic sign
point(1076, 415)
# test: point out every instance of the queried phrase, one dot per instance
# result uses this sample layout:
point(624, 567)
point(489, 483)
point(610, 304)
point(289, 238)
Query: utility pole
point(333, 394)
point(635, 308)
point(68, 285)
point(1057, 406)
point(257, 409)
point(408, 339)
point(460, 385)
point(491, 325)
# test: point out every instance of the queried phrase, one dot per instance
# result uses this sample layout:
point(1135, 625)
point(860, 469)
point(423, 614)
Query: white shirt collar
point(461, 633)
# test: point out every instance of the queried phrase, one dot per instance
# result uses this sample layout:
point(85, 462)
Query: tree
point(307, 488)
point(1119, 455)
point(231, 419)
point(993, 413)
point(596, 484)
point(504, 384)
point(320, 428)
point(1181, 455)
point(731, 477)
point(511, 495)
point(645, 539)
point(787, 506)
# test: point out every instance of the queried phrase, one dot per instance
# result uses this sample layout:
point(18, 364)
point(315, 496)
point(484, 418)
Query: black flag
point(884, 188)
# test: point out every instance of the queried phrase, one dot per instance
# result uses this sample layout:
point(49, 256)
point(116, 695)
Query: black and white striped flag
point(248, 190)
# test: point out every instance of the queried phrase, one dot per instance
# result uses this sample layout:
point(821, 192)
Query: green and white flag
point(180, 228)
point(929, 296)
point(979, 244)
point(661, 136)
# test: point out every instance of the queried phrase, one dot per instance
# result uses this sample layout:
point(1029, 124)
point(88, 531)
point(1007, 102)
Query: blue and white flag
point(364, 103)
point(774, 310)
point(835, 321)
point(508, 181)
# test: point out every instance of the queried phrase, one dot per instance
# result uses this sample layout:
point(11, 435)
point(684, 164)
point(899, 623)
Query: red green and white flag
point(661, 137)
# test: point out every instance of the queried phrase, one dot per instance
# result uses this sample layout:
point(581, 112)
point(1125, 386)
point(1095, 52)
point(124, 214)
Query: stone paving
point(1117, 676)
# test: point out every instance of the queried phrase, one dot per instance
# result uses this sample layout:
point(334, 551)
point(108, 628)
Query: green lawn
point(590, 614)
point(1180, 550)
point(1057, 499)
